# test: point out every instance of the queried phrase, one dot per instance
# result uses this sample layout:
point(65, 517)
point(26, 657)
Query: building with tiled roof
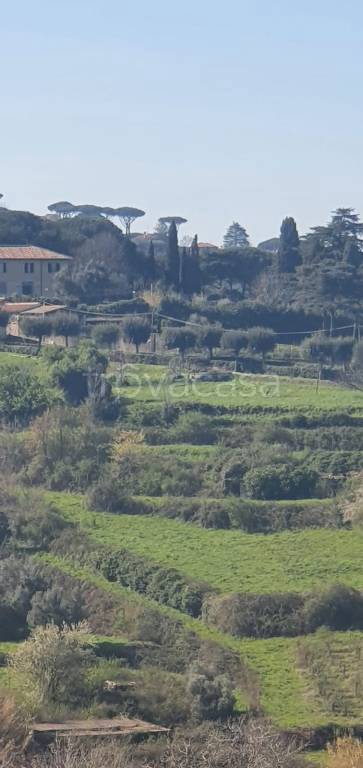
point(27, 270)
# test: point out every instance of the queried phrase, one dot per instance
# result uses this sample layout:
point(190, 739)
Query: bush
point(212, 696)
point(23, 394)
point(340, 608)
point(33, 522)
point(194, 428)
point(74, 369)
point(281, 482)
point(12, 624)
point(50, 667)
point(261, 616)
point(66, 449)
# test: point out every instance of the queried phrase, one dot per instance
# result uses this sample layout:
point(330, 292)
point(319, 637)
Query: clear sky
point(216, 111)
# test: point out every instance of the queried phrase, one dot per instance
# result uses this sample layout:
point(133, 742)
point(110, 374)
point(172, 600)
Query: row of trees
point(125, 214)
point(137, 331)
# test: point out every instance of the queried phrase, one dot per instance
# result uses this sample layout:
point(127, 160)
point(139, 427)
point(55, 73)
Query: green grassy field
point(229, 560)
point(148, 383)
point(286, 689)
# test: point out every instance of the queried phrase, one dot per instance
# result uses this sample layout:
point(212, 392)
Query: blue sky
point(216, 111)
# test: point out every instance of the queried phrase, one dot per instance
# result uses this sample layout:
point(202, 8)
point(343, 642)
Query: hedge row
point(247, 516)
point(165, 585)
point(339, 608)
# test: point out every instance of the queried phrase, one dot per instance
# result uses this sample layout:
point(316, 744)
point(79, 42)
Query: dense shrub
point(340, 608)
point(259, 616)
point(281, 482)
point(212, 696)
point(66, 449)
point(108, 495)
point(33, 522)
point(23, 394)
point(335, 462)
point(32, 596)
point(164, 585)
point(123, 307)
point(73, 369)
point(195, 428)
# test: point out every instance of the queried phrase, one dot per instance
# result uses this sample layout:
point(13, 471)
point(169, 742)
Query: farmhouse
point(26, 270)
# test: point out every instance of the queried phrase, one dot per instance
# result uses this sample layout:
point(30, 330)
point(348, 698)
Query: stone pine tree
point(173, 258)
point(191, 274)
point(289, 250)
point(236, 236)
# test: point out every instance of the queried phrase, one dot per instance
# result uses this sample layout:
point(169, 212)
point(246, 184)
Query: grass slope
point(287, 693)
point(148, 383)
point(230, 561)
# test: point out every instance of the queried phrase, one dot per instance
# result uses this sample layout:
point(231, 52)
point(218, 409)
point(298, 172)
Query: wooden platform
point(119, 726)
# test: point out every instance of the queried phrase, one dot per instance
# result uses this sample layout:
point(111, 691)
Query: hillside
point(205, 522)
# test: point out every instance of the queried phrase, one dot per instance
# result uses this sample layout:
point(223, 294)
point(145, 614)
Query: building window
point(57, 266)
point(3, 289)
point(3, 267)
point(50, 267)
point(27, 289)
point(29, 267)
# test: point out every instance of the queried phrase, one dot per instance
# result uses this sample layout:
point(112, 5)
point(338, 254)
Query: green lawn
point(230, 561)
point(148, 383)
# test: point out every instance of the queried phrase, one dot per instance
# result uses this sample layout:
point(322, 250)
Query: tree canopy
point(236, 236)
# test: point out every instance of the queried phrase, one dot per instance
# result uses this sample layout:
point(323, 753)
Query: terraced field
point(309, 681)
point(230, 561)
point(287, 689)
point(152, 383)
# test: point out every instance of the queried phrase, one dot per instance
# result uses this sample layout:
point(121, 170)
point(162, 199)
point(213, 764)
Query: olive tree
point(106, 334)
point(37, 327)
point(234, 340)
point(136, 330)
point(50, 667)
point(66, 325)
point(180, 338)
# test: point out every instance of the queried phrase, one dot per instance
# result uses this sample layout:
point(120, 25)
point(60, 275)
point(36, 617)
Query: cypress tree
point(289, 250)
point(151, 263)
point(192, 275)
point(182, 268)
point(173, 259)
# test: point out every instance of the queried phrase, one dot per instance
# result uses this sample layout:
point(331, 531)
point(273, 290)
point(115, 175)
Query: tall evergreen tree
point(182, 265)
point(235, 237)
point(173, 258)
point(151, 263)
point(191, 281)
point(344, 226)
point(289, 249)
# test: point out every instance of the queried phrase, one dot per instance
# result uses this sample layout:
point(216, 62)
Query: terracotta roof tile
point(29, 252)
point(16, 307)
